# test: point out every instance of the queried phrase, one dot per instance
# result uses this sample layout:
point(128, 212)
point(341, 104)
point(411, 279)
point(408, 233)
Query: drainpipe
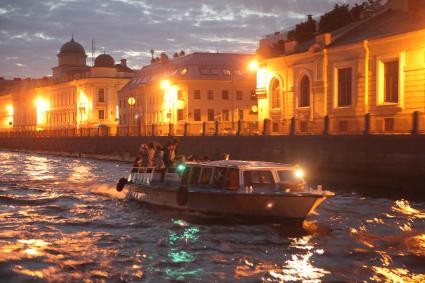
point(325, 81)
point(366, 76)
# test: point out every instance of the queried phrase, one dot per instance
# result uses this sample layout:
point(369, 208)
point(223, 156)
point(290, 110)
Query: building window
point(225, 94)
point(240, 114)
point(180, 94)
point(210, 114)
point(304, 92)
point(180, 114)
point(391, 81)
point(275, 94)
point(101, 95)
point(253, 95)
point(344, 87)
point(101, 114)
point(197, 94)
point(197, 115)
point(225, 115)
point(210, 94)
point(239, 95)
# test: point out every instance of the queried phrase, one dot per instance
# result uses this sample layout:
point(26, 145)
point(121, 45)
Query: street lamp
point(9, 110)
point(131, 102)
point(253, 65)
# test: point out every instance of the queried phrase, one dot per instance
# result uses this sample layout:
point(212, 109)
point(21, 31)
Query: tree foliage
point(303, 31)
point(340, 16)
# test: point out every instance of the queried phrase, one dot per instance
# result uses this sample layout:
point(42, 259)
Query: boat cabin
point(243, 175)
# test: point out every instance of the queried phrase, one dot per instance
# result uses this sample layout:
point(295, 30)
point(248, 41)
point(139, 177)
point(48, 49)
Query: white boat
point(257, 190)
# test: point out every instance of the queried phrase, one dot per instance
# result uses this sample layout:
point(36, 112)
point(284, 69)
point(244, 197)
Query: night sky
point(32, 31)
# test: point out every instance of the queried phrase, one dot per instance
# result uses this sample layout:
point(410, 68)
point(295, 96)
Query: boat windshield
point(287, 176)
point(258, 178)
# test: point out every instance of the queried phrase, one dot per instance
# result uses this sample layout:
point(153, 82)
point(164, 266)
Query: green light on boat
point(181, 167)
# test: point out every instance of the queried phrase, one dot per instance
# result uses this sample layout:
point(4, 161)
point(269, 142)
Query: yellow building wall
point(366, 60)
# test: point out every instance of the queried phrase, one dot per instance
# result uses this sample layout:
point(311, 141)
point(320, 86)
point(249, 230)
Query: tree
point(342, 15)
point(303, 31)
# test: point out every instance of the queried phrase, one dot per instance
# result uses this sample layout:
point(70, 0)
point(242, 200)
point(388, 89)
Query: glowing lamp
point(165, 84)
point(299, 173)
point(253, 65)
point(9, 109)
point(181, 167)
point(131, 101)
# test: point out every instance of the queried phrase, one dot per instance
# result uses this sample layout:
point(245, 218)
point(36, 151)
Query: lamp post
point(131, 102)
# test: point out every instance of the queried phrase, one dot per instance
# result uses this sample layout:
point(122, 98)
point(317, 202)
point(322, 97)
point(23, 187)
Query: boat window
point(258, 178)
point(219, 178)
point(194, 178)
point(206, 175)
point(233, 179)
point(287, 176)
point(185, 176)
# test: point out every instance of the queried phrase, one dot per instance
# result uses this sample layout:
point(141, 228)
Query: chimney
point(324, 39)
point(124, 62)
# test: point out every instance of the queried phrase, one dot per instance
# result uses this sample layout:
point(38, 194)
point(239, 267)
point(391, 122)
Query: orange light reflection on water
point(62, 253)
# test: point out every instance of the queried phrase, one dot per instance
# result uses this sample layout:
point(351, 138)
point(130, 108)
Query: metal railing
point(369, 124)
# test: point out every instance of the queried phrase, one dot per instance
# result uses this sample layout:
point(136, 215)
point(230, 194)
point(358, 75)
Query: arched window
point(304, 92)
point(275, 92)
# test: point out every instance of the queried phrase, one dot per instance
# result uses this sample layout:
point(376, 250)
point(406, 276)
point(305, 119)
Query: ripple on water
point(62, 220)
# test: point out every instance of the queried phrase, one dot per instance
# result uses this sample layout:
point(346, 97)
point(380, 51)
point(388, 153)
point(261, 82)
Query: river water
point(61, 220)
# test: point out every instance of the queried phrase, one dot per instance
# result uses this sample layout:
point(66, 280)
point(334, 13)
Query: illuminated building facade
point(365, 77)
point(194, 88)
point(81, 96)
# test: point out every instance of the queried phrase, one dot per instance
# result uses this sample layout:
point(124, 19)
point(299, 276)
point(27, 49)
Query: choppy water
point(61, 220)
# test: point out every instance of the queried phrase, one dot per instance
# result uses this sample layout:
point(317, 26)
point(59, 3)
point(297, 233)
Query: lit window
point(180, 114)
point(304, 92)
point(210, 114)
point(391, 81)
point(275, 94)
point(180, 94)
point(344, 86)
point(225, 115)
point(226, 72)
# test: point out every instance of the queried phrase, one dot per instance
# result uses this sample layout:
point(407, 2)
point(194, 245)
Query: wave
point(25, 201)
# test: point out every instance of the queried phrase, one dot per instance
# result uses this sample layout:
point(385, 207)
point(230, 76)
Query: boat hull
point(268, 206)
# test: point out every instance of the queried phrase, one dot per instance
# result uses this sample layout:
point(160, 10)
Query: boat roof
point(242, 164)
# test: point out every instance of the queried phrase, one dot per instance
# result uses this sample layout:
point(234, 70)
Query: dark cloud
point(32, 31)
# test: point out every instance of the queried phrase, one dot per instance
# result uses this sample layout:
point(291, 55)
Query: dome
point(104, 60)
point(72, 47)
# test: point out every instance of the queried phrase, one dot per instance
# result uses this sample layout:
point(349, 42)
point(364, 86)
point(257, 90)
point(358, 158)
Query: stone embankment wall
point(395, 161)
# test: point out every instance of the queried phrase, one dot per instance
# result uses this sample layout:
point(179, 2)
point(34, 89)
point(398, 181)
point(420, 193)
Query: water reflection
point(65, 222)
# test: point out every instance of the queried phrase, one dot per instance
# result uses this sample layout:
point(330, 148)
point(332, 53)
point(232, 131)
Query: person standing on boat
point(150, 154)
point(143, 154)
point(169, 158)
point(158, 158)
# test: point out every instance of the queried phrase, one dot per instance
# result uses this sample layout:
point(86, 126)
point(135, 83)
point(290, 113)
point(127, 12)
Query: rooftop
point(197, 66)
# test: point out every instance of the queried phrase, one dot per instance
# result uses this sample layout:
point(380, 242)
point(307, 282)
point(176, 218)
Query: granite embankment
point(393, 162)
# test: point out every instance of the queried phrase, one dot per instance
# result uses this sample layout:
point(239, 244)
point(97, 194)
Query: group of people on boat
point(157, 156)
